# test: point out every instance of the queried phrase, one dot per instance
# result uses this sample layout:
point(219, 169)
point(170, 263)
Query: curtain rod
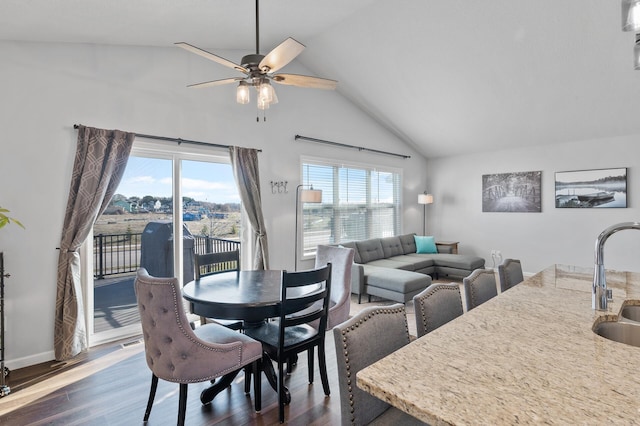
point(178, 140)
point(359, 148)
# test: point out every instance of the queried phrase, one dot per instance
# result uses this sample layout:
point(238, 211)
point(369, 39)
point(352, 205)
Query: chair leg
point(281, 396)
point(310, 364)
point(152, 395)
point(322, 363)
point(247, 379)
point(257, 385)
point(182, 404)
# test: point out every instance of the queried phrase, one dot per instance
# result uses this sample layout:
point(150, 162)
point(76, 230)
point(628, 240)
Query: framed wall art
point(592, 188)
point(512, 192)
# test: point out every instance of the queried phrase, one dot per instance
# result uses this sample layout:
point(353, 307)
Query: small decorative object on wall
point(592, 188)
point(512, 192)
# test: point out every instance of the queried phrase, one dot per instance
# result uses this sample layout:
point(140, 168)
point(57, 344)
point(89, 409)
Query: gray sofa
point(390, 267)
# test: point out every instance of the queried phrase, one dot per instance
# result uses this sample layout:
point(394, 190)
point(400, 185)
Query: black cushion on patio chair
point(292, 332)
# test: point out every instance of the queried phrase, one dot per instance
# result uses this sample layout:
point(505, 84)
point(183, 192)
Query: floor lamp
point(304, 196)
point(424, 199)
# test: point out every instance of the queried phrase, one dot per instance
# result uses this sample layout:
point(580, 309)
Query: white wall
point(555, 235)
point(46, 88)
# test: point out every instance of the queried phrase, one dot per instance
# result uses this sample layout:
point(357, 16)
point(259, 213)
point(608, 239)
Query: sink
point(631, 312)
point(621, 332)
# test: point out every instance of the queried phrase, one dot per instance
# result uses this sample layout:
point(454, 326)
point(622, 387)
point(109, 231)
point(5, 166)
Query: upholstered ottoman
point(394, 284)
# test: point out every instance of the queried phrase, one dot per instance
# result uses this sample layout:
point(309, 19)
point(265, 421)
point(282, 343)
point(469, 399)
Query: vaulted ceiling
point(446, 76)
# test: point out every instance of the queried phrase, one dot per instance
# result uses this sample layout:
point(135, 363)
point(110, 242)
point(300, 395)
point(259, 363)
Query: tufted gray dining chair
point(479, 287)
point(341, 259)
point(369, 336)
point(177, 353)
point(436, 305)
point(510, 273)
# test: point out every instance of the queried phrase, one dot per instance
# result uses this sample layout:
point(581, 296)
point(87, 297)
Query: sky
point(209, 182)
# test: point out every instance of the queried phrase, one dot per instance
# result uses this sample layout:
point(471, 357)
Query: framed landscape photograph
point(512, 192)
point(592, 188)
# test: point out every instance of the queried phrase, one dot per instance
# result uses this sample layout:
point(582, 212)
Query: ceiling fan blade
point(215, 83)
point(212, 57)
point(305, 81)
point(281, 55)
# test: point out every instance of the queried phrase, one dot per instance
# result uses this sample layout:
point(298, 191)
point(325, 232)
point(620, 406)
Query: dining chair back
point(341, 259)
point(510, 273)
point(479, 287)
point(369, 336)
point(292, 333)
point(216, 263)
point(437, 305)
point(177, 353)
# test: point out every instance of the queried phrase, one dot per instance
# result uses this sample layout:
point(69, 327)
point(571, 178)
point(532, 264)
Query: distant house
point(119, 207)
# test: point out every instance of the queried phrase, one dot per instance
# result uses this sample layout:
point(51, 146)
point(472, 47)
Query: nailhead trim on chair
point(473, 289)
point(346, 349)
point(238, 349)
point(434, 290)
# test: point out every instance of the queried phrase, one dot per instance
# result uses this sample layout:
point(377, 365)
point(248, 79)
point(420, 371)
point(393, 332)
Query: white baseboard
point(14, 364)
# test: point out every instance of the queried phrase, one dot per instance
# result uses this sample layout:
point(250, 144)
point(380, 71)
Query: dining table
point(251, 296)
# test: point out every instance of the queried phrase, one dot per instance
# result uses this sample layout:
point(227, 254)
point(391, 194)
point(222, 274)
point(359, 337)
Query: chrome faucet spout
point(600, 296)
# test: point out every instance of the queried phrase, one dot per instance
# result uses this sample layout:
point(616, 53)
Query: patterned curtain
point(100, 161)
point(246, 172)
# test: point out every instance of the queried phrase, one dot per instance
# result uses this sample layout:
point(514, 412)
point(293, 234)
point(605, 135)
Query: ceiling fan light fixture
point(631, 15)
point(266, 91)
point(242, 93)
point(262, 104)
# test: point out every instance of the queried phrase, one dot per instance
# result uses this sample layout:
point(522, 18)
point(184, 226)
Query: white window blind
point(358, 202)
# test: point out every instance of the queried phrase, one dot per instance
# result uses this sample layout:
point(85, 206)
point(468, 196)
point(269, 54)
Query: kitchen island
point(527, 356)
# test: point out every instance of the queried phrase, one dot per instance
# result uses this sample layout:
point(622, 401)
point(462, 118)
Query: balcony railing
point(120, 253)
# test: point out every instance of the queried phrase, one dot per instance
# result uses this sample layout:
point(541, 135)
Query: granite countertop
point(528, 356)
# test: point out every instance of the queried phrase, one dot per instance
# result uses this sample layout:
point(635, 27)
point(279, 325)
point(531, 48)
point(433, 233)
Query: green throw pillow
point(425, 244)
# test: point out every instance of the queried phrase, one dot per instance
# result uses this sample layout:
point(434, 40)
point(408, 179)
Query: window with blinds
point(358, 202)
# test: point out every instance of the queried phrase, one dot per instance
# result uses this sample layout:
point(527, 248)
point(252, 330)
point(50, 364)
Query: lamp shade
point(311, 196)
point(425, 199)
point(631, 15)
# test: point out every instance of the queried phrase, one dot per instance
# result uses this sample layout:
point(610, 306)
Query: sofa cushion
point(397, 280)
point(388, 263)
point(408, 243)
point(391, 246)
point(458, 261)
point(352, 244)
point(418, 262)
point(370, 250)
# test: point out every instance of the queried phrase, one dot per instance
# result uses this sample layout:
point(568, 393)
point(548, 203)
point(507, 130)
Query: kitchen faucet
point(600, 295)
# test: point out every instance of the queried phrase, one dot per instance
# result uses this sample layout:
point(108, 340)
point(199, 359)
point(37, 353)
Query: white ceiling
point(447, 76)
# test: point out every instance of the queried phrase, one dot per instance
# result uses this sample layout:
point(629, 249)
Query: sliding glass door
point(145, 227)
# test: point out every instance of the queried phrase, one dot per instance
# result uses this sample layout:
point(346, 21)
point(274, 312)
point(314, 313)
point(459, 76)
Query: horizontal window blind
point(358, 202)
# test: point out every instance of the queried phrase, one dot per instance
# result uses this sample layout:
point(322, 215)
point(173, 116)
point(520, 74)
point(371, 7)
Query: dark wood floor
point(110, 385)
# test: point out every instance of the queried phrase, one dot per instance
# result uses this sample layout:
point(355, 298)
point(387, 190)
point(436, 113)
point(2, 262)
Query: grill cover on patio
point(157, 250)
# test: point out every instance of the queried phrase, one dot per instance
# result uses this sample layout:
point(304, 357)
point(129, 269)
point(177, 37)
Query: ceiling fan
point(259, 70)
